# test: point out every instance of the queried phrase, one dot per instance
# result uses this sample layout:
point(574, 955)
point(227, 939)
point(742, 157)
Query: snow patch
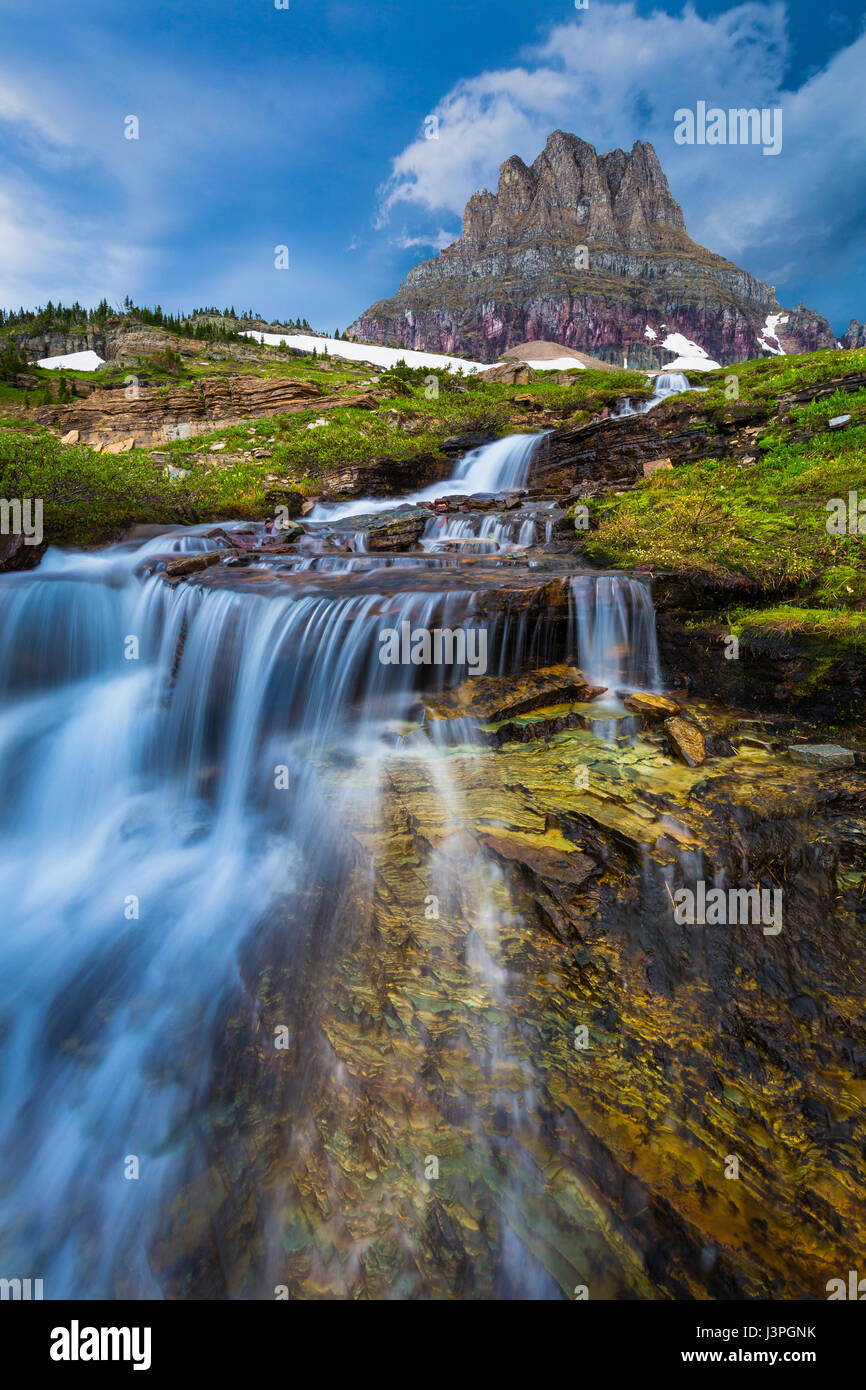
point(650, 332)
point(368, 352)
point(691, 356)
point(75, 361)
point(558, 364)
point(769, 341)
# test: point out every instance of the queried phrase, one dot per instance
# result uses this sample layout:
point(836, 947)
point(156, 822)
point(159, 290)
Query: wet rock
point(498, 698)
point(651, 706)
point(829, 756)
point(398, 529)
point(686, 740)
point(16, 554)
point(192, 564)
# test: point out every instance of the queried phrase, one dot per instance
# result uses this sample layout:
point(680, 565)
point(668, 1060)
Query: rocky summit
point(591, 251)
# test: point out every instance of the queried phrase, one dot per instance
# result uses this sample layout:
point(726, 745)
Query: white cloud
point(437, 240)
point(611, 77)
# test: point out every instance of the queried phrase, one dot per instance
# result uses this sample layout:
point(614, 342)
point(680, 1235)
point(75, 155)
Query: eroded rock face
point(700, 1041)
point(598, 247)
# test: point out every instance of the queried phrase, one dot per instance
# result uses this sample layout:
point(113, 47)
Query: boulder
point(397, 529)
point(284, 495)
point(653, 465)
point(497, 698)
point(70, 437)
point(686, 741)
point(17, 554)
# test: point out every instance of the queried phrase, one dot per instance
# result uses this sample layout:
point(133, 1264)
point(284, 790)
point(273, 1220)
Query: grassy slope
point(766, 522)
point(89, 497)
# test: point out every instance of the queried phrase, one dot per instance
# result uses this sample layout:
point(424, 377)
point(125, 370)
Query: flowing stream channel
point(196, 779)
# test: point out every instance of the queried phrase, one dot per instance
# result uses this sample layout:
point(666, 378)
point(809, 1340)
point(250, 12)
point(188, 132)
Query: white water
point(495, 467)
point(666, 384)
point(613, 631)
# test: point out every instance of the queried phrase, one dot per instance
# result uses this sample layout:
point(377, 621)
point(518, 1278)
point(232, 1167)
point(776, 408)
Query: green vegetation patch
point(89, 497)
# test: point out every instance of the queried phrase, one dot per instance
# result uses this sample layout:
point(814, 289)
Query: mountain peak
point(570, 192)
point(590, 251)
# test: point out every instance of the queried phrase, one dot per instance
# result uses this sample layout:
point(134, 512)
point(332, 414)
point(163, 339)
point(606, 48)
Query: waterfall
point(171, 758)
point(495, 467)
point(613, 631)
point(498, 466)
point(482, 533)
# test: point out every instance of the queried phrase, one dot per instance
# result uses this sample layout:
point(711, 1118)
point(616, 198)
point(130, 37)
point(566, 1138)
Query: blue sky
point(304, 127)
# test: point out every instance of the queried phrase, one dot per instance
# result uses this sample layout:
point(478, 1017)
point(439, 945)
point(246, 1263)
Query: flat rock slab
point(823, 755)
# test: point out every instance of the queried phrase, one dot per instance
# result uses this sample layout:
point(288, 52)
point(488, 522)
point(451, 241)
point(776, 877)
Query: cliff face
point(587, 250)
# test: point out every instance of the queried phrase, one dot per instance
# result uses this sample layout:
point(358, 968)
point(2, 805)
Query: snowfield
point(366, 352)
point(769, 341)
point(74, 361)
point(558, 364)
point(389, 357)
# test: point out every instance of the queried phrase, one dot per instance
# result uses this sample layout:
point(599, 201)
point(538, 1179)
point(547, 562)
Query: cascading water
point(495, 467)
point(168, 757)
point(665, 384)
point(613, 631)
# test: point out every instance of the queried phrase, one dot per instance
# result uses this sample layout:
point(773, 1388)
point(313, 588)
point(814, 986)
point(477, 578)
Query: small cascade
point(613, 631)
point(478, 534)
point(665, 384)
point(500, 466)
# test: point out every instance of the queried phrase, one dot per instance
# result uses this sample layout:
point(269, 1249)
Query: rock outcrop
point(156, 415)
point(590, 251)
point(854, 335)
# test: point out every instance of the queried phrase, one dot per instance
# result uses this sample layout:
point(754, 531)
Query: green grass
point(763, 524)
point(89, 497)
point(834, 630)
